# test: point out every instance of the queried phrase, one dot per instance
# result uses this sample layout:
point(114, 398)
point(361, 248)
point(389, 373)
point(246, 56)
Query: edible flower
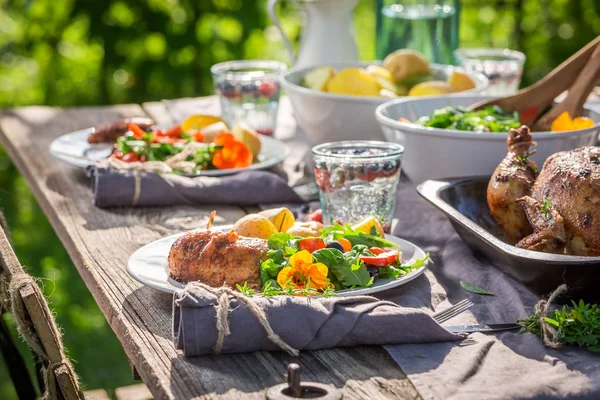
point(564, 122)
point(234, 154)
point(302, 268)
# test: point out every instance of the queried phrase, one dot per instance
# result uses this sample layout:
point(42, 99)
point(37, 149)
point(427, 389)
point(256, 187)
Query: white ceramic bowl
point(433, 153)
point(327, 117)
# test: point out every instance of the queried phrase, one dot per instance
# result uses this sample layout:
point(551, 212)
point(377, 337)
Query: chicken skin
point(557, 212)
point(217, 258)
point(549, 228)
point(513, 179)
point(569, 183)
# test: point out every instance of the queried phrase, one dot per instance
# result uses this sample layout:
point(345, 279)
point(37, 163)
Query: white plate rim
point(279, 153)
point(170, 286)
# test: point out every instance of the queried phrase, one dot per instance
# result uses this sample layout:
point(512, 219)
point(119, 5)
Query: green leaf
point(418, 263)
point(279, 240)
point(270, 268)
point(348, 272)
point(277, 256)
point(469, 287)
point(390, 272)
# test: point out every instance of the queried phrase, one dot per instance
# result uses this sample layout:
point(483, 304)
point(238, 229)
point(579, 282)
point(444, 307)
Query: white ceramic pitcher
point(328, 33)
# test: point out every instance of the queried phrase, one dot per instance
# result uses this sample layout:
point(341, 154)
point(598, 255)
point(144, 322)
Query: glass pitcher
point(427, 26)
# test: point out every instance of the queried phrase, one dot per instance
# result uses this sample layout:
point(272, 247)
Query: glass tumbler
point(503, 68)
point(249, 91)
point(357, 179)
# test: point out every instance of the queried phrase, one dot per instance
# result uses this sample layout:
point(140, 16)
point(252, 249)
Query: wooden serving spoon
point(537, 97)
point(578, 93)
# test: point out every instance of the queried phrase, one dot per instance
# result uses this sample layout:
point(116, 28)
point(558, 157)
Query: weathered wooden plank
point(96, 394)
point(133, 392)
point(100, 242)
point(67, 383)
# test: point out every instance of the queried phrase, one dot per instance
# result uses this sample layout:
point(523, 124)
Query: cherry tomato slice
point(130, 157)
point(174, 132)
point(377, 250)
point(311, 244)
point(381, 260)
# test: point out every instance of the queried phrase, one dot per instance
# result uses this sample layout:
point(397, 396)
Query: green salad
point(340, 258)
point(490, 119)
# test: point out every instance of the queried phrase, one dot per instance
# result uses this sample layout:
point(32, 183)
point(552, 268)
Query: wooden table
point(100, 242)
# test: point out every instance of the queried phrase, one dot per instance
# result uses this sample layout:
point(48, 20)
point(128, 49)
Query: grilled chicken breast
point(217, 258)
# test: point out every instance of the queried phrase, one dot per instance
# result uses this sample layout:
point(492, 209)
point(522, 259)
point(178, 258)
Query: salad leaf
point(279, 240)
point(469, 287)
point(490, 119)
point(390, 272)
point(355, 237)
point(269, 270)
point(395, 271)
point(349, 271)
point(418, 263)
point(277, 256)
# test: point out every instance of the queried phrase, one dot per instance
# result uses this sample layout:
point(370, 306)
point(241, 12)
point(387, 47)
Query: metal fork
point(451, 312)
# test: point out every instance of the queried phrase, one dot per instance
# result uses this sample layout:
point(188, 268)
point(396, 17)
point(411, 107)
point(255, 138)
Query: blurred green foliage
point(84, 52)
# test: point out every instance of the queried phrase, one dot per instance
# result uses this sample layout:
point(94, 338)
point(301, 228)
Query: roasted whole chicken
point(557, 211)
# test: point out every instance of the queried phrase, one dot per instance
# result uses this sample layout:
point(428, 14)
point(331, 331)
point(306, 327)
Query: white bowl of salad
point(443, 140)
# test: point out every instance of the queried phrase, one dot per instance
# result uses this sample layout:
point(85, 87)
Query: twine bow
point(541, 311)
point(223, 307)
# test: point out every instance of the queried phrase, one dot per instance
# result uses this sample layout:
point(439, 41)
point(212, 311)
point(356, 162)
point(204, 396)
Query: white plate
point(73, 148)
point(148, 265)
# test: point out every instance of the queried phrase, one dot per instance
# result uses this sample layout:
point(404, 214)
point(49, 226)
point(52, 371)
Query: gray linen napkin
point(114, 188)
point(302, 323)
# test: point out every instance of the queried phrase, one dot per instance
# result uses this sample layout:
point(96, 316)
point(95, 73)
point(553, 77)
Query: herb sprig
point(577, 325)
point(545, 209)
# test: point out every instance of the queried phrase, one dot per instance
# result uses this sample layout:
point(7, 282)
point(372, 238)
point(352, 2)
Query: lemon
point(354, 82)
point(249, 137)
point(366, 224)
point(404, 63)
point(200, 122)
point(461, 81)
point(254, 226)
point(379, 71)
point(431, 88)
point(282, 218)
point(317, 78)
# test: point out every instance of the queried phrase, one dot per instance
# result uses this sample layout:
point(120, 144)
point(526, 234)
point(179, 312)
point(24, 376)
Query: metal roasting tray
point(464, 202)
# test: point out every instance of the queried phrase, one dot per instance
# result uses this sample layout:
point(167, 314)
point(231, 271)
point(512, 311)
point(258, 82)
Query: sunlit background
point(90, 52)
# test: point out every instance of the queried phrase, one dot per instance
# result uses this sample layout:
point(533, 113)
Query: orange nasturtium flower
point(234, 154)
point(301, 268)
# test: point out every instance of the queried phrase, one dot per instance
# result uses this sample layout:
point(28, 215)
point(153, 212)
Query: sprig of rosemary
point(578, 325)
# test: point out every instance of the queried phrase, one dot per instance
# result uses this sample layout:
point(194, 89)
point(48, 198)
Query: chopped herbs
point(490, 119)
point(545, 209)
point(577, 325)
